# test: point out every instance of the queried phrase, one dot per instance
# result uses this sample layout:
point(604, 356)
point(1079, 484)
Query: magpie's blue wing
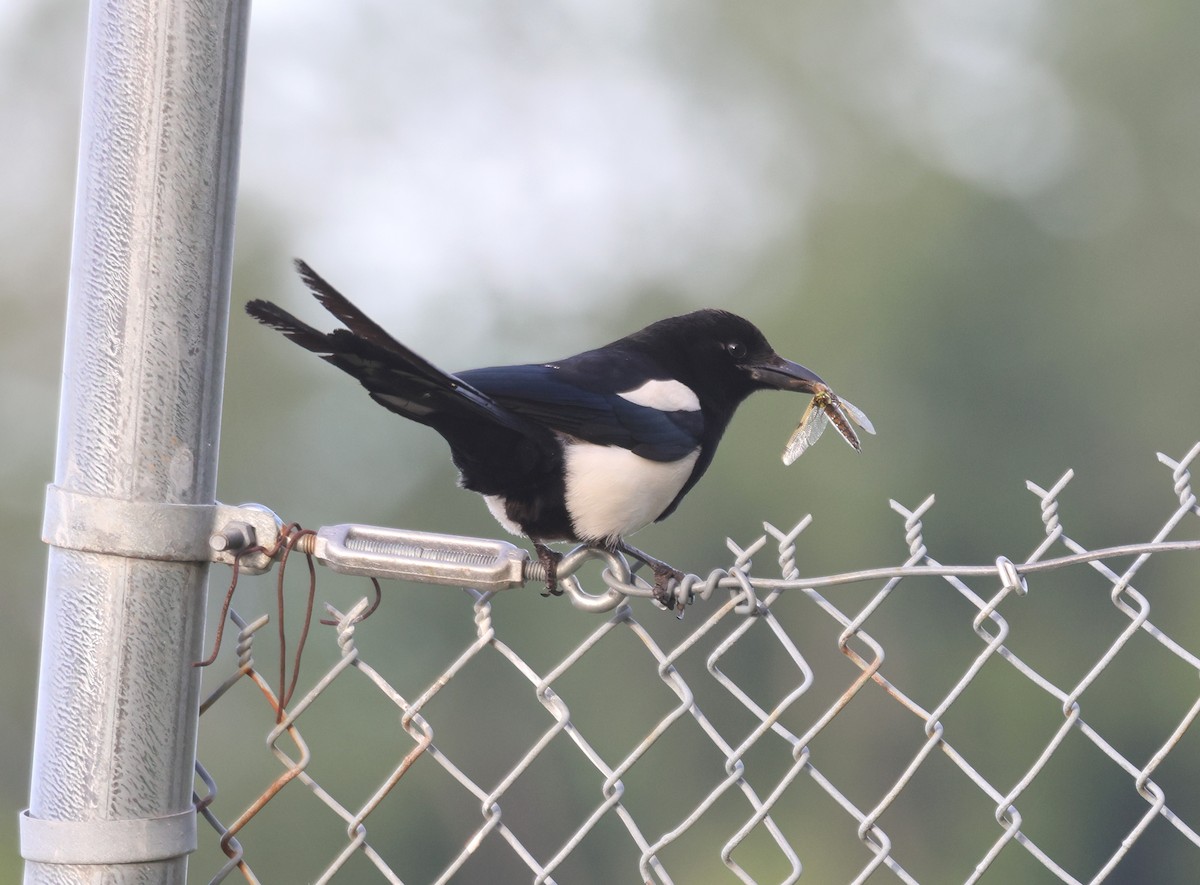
point(552, 396)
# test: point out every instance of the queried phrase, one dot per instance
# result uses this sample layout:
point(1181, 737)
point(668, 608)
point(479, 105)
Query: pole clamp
point(141, 840)
point(155, 530)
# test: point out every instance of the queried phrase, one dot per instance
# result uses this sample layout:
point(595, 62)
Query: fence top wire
point(657, 802)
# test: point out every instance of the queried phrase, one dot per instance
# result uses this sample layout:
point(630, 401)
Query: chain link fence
point(1035, 729)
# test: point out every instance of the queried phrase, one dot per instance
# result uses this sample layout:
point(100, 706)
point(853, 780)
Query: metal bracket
point(97, 841)
point(154, 530)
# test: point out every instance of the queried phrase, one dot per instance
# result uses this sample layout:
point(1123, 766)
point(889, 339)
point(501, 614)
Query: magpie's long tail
point(396, 377)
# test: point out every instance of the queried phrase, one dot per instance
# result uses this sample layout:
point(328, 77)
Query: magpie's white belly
point(611, 492)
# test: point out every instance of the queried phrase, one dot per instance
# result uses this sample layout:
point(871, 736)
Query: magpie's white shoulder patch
point(666, 396)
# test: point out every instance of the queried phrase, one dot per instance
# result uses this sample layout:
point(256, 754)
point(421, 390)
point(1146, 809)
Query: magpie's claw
point(664, 593)
point(664, 574)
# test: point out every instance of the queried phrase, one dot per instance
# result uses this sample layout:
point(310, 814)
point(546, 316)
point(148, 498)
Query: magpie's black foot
point(663, 575)
point(550, 560)
point(663, 593)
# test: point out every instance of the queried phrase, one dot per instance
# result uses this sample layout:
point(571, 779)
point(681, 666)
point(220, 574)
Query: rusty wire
point(281, 548)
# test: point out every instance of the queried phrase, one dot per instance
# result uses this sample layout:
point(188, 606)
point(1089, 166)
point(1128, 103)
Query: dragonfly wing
point(812, 425)
point(858, 416)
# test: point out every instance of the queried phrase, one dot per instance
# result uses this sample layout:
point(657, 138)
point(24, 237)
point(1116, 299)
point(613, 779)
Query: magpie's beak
point(780, 374)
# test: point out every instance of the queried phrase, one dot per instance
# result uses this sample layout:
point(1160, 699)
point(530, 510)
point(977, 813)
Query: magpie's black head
point(722, 356)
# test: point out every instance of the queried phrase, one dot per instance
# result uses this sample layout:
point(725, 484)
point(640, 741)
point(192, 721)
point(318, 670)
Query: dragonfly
point(826, 408)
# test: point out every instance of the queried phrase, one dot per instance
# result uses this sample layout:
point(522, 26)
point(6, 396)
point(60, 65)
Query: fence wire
point(1038, 731)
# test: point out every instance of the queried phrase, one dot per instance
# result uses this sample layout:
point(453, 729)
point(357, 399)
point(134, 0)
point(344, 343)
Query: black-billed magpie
point(587, 449)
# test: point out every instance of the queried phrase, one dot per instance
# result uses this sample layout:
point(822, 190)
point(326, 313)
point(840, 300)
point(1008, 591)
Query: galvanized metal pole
point(137, 448)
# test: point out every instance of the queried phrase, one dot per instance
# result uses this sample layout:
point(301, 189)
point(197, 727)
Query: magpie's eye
point(736, 349)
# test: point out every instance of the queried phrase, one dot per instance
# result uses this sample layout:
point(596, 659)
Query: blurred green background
point(980, 222)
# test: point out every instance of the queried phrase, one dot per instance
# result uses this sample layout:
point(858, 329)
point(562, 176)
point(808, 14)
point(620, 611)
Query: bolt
point(533, 572)
point(235, 536)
